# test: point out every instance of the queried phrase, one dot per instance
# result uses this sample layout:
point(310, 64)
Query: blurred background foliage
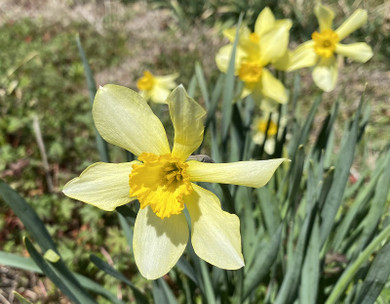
point(41, 75)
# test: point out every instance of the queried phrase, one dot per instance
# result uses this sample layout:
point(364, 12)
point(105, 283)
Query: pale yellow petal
point(103, 185)
point(159, 94)
point(325, 74)
point(303, 56)
point(222, 58)
point(230, 33)
point(354, 22)
point(264, 22)
point(158, 243)
point(324, 16)
point(187, 118)
point(272, 87)
point(360, 51)
point(283, 62)
point(215, 234)
point(166, 81)
point(273, 44)
point(254, 173)
point(123, 118)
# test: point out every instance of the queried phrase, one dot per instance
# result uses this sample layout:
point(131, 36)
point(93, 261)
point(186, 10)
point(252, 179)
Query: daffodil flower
point(156, 88)
point(267, 44)
point(260, 131)
point(321, 51)
point(163, 181)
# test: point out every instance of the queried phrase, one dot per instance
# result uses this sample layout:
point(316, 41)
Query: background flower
point(255, 50)
point(321, 51)
point(156, 88)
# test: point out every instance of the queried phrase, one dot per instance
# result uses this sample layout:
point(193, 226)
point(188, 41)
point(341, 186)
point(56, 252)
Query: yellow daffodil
point(163, 181)
point(156, 88)
point(259, 129)
point(267, 44)
point(321, 51)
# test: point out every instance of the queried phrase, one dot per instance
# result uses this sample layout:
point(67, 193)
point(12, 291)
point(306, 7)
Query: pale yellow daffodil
point(321, 51)
point(163, 181)
point(266, 45)
point(156, 88)
point(260, 131)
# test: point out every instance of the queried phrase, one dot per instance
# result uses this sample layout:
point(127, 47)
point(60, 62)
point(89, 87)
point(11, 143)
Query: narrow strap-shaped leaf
point(61, 280)
point(14, 260)
point(376, 278)
point(28, 216)
point(228, 91)
point(101, 144)
point(341, 175)
point(202, 84)
point(354, 267)
point(262, 264)
point(161, 292)
point(139, 296)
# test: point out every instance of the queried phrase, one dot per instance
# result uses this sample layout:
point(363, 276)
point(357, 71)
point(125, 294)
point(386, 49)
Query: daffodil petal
point(123, 118)
point(222, 58)
point(167, 81)
point(158, 243)
point(187, 118)
point(354, 22)
point(273, 88)
point(273, 44)
point(324, 16)
point(215, 234)
point(360, 51)
point(264, 22)
point(325, 74)
point(244, 173)
point(159, 94)
point(303, 56)
point(230, 33)
point(103, 185)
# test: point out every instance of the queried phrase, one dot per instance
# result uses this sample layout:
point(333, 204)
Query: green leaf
point(139, 296)
point(376, 278)
point(101, 144)
point(311, 268)
point(261, 265)
point(341, 175)
point(68, 285)
point(228, 92)
point(161, 293)
point(355, 266)
point(27, 215)
point(13, 260)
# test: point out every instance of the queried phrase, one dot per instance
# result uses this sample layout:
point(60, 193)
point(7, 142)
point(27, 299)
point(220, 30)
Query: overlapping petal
point(359, 51)
point(303, 56)
point(264, 22)
point(215, 234)
point(244, 173)
point(273, 88)
point(324, 16)
point(325, 74)
point(103, 185)
point(187, 118)
point(273, 44)
point(123, 118)
point(354, 22)
point(222, 58)
point(158, 243)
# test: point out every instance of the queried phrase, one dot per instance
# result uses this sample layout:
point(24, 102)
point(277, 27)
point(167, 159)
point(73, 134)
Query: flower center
point(254, 37)
point(250, 71)
point(146, 82)
point(262, 127)
point(161, 182)
point(325, 42)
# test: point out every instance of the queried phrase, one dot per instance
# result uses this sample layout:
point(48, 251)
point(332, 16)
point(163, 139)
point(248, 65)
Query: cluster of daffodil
point(164, 181)
point(267, 45)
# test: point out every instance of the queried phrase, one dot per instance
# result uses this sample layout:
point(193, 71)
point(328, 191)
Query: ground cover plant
point(316, 231)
